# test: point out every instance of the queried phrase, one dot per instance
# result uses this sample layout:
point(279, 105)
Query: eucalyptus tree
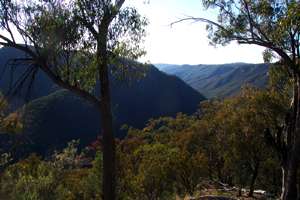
point(76, 43)
point(275, 25)
point(250, 113)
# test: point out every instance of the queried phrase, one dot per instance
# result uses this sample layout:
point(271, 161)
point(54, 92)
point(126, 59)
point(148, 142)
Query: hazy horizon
point(229, 63)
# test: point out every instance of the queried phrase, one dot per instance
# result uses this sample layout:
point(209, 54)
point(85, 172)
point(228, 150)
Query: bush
point(62, 178)
point(30, 179)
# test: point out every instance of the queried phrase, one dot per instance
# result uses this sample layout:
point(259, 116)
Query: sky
point(186, 42)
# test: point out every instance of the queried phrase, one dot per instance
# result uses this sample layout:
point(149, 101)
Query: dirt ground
point(214, 194)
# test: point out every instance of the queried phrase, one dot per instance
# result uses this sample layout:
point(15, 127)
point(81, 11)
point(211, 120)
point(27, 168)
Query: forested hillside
point(219, 80)
point(82, 119)
point(49, 109)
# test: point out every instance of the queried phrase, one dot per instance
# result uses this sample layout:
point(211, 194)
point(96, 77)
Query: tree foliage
point(273, 24)
point(76, 44)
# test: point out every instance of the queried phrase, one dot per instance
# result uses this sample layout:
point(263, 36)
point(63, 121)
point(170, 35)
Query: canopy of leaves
point(273, 24)
point(63, 35)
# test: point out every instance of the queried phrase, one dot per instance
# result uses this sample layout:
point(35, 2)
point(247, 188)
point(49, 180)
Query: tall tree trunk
point(253, 179)
point(108, 147)
point(290, 156)
point(108, 142)
point(289, 180)
point(108, 153)
point(106, 121)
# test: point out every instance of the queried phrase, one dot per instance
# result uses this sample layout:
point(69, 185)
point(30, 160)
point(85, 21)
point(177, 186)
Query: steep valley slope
point(219, 81)
point(53, 116)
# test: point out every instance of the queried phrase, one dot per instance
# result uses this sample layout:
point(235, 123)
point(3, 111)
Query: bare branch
point(56, 79)
point(199, 19)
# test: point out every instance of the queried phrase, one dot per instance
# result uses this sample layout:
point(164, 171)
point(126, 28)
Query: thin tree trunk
point(290, 159)
point(108, 151)
point(253, 179)
point(108, 142)
point(289, 181)
point(108, 186)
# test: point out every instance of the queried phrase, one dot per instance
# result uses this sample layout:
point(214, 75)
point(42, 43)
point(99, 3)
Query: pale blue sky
point(186, 43)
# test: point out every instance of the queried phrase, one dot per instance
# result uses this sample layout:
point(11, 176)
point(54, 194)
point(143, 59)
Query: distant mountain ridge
point(219, 81)
point(54, 116)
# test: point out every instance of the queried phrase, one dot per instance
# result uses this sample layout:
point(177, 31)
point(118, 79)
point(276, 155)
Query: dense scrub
point(224, 142)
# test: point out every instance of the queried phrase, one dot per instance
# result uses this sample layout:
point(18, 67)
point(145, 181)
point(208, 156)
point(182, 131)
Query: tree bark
point(108, 140)
point(253, 179)
point(108, 186)
point(289, 162)
point(289, 180)
point(108, 148)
